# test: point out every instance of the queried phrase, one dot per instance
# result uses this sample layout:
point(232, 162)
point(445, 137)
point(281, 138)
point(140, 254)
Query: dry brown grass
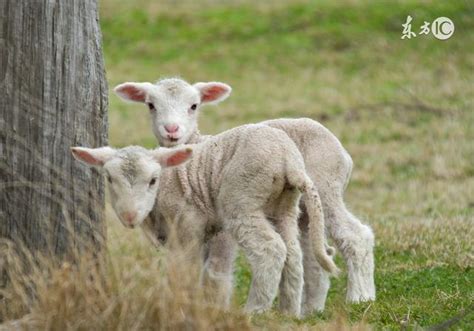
point(159, 292)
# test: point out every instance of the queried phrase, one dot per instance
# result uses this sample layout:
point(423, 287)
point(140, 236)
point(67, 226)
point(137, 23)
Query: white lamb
point(174, 106)
point(246, 181)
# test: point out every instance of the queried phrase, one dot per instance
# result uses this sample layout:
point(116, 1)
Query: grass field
point(402, 108)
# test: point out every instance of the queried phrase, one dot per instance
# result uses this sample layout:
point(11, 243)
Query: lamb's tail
point(316, 226)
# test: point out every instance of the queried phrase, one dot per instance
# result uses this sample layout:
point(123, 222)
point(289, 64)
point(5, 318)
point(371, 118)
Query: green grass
point(402, 108)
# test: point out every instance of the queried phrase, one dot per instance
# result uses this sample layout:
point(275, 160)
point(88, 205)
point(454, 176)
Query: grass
point(141, 290)
point(402, 108)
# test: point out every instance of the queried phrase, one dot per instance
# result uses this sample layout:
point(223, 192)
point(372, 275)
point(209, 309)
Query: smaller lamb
point(248, 189)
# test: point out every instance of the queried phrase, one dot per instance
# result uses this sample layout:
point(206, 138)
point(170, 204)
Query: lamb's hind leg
point(266, 254)
point(316, 279)
point(356, 242)
point(291, 284)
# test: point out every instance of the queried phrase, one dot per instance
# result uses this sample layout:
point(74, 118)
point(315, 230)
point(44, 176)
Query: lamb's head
point(174, 105)
point(133, 175)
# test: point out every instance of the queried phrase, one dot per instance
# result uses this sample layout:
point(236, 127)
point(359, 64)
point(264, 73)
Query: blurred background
point(403, 108)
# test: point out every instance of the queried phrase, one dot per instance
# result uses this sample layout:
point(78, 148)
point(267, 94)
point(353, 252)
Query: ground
point(402, 108)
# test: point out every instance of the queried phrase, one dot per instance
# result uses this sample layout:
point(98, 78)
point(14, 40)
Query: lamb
point(249, 190)
point(174, 106)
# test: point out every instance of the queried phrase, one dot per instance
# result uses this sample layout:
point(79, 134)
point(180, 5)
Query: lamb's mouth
point(171, 139)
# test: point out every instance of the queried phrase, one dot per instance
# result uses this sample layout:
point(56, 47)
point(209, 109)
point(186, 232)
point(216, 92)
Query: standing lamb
point(246, 181)
point(174, 106)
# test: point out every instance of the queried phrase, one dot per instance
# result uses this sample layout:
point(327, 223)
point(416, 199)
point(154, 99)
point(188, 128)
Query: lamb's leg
point(266, 254)
point(316, 279)
point(218, 268)
point(291, 283)
point(356, 242)
point(186, 236)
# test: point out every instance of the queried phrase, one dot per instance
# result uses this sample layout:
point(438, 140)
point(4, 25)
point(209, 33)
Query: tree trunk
point(53, 96)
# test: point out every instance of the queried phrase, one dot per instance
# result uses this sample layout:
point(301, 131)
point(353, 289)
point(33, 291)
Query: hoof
point(359, 298)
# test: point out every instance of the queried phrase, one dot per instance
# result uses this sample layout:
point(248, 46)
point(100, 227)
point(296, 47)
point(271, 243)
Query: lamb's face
point(133, 183)
point(174, 105)
point(133, 175)
point(173, 108)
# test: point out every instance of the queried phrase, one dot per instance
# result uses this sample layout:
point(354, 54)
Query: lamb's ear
point(213, 92)
point(133, 91)
point(170, 157)
point(93, 156)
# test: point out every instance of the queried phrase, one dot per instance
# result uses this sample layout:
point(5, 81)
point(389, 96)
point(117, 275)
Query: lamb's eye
point(152, 181)
point(109, 179)
point(150, 106)
point(194, 106)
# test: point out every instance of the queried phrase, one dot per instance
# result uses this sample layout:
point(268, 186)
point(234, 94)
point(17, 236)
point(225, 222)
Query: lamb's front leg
point(186, 235)
point(219, 267)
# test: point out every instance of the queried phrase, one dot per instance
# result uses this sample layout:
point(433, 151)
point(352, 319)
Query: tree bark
point(53, 97)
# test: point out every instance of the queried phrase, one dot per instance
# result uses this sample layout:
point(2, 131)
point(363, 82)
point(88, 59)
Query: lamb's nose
point(129, 216)
point(171, 128)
